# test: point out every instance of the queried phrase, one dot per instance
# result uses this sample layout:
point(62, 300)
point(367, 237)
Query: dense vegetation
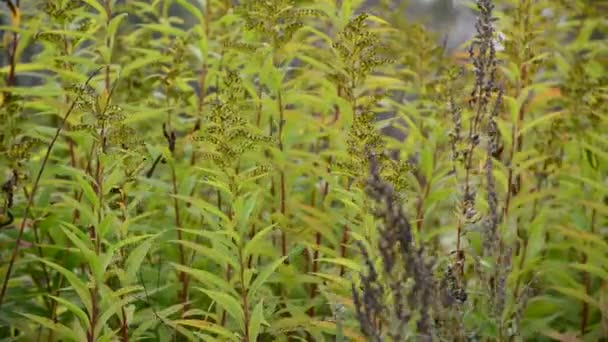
point(299, 170)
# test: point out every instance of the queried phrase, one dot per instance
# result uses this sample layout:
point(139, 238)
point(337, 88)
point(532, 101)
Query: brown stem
point(525, 242)
point(315, 262)
point(283, 233)
point(54, 316)
point(224, 317)
point(343, 247)
point(344, 240)
point(313, 288)
point(315, 269)
point(420, 206)
point(45, 272)
point(94, 314)
point(337, 109)
point(74, 165)
point(124, 333)
point(258, 114)
point(251, 235)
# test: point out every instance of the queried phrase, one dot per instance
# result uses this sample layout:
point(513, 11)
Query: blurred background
point(451, 20)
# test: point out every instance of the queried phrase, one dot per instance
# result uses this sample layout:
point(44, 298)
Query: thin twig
point(30, 200)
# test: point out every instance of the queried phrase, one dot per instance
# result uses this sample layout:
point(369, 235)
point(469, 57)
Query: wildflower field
point(302, 170)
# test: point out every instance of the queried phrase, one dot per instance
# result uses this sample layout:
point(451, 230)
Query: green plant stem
point(344, 240)
point(124, 325)
point(204, 70)
point(282, 173)
point(224, 313)
point(315, 256)
point(258, 114)
point(94, 314)
point(108, 8)
point(45, 272)
point(517, 140)
point(513, 189)
point(99, 170)
point(99, 187)
point(525, 242)
point(182, 276)
point(30, 201)
point(587, 283)
point(96, 237)
point(244, 295)
point(420, 205)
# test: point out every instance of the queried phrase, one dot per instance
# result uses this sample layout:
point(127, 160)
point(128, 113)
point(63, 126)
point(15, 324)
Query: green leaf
point(87, 189)
point(353, 265)
point(142, 62)
point(61, 329)
point(24, 68)
point(79, 286)
point(192, 10)
point(96, 5)
point(536, 236)
point(206, 278)
point(601, 188)
point(115, 23)
point(133, 239)
point(270, 75)
point(166, 29)
point(189, 336)
point(346, 12)
point(115, 305)
point(256, 321)
point(211, 253)
point(591, 269)
point(223, 187)
point(93, 259)
point(135, 258)
point(207, 326)
point(228, 303)
point(87, 216)
point(255, 243)
point(243, 208)
point(577, 294)
point(84, 319)
point(263, 276)
point(146, 320)
point(426, 163)
point(205, 206)
point(107, 222)
point(544, 119)
point(513, 107)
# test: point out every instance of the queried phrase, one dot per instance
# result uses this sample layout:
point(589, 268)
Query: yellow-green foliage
point(224, 176)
